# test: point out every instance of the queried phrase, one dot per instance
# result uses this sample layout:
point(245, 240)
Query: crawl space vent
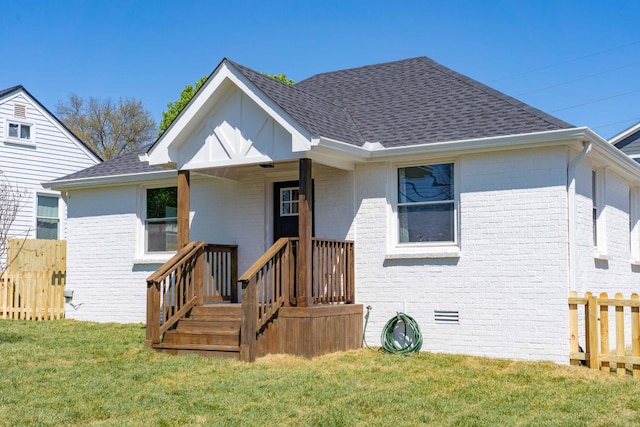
point(20, 110)
point(447, 316)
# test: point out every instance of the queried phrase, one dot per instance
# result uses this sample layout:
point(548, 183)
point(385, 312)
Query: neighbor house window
point(161, 224)
point(426, 204)
point(48, 218)
point(19, 131)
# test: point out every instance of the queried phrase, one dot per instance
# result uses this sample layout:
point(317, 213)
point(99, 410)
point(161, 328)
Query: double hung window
point(426, 204)
point(161, 223)
point(48, 218)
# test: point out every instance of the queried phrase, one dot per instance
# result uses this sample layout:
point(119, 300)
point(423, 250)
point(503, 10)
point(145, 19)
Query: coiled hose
point(389, 343)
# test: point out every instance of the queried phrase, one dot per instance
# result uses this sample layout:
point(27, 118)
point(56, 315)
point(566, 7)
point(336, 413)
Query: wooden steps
point(211, 330)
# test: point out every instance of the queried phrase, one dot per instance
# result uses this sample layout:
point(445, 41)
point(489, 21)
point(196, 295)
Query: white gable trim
point(625, 133)
point(166, 150)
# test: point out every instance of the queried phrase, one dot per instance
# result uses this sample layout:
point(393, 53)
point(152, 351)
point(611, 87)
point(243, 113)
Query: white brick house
point(36, 147)
point(460, 200)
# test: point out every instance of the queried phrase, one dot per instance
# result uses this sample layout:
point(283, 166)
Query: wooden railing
point(597, 354)
point(333, 271)
point(270, 283)
point(198, 272)
point(221, 273)
point(266, 286)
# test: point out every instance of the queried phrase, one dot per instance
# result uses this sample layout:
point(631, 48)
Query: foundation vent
point(20, 110)
point(446, 316)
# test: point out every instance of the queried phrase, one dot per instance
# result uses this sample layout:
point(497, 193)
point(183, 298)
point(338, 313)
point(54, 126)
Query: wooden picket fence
point(597, 353)
point(32, 295)
point(32, 288)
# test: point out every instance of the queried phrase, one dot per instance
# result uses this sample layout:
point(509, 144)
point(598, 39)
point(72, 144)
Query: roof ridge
point(363, 67)
point(496, 93)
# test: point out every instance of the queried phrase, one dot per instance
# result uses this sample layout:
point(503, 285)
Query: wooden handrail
point(265, 288)
point(260, 262)
point(199, 272)
point(170, 265)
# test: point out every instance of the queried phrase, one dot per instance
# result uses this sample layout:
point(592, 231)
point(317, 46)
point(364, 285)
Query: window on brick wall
point(426, 205)
point(634, 225)
point(161, 222)
point(598, 214)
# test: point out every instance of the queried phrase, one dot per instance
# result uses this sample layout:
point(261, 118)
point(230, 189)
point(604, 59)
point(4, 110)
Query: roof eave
point(107, 181)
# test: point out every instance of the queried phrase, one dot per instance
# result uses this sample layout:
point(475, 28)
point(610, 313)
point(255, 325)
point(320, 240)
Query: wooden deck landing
point(214, 331)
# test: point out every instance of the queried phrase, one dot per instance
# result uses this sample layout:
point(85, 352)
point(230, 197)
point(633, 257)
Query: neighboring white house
point(36, 147)
point(472, 212)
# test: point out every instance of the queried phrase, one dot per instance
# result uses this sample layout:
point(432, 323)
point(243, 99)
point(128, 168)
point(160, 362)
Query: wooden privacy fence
point(597, 353)
point(32, 295)
point(32, 288)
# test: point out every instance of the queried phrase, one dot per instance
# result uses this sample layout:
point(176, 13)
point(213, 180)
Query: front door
point(285, 209)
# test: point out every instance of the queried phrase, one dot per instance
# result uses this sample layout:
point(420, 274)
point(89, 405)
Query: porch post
point(184, 198)
point(305, 230)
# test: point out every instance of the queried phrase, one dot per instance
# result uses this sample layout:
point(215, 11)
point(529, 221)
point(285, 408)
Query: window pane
point(162, 202)
point(425, 183)
point(25, 131)
point(426, 223)
point(286, 208)
point(47, 229)
point(47, 207)
point(13, 130)
point(162, 236)
point(286, 196)
point(294, 207)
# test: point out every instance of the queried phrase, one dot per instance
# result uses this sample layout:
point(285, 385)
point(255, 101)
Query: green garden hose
point(390, 345)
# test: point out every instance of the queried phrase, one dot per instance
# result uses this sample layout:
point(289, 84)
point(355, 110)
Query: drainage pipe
point(572, 212)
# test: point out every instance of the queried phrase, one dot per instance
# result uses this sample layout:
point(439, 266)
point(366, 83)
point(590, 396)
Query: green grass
point(77, 373)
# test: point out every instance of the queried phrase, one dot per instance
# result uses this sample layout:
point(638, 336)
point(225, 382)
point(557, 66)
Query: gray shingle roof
point(317, 115)
point(408, 102)
point(418, 101)
point(126, 164)
point(10, 90)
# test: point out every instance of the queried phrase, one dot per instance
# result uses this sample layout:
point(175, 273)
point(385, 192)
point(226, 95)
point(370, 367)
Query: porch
point(193, 304)
point(297, 298)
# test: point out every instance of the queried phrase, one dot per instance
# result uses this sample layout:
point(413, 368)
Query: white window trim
point(142, 256)
point(634, 225)
point(62, 212)
point(600, 247)
point(13, 140)
point(397, 250)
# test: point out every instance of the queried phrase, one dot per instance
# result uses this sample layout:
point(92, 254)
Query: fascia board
point(520, 141)
point(108, 181)
point(625, 133)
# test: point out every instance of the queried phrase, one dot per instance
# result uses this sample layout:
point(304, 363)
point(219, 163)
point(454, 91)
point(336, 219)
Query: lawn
point(78, 373)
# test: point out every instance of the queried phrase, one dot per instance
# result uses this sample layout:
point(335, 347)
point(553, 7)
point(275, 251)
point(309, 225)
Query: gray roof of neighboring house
point(408, 102)
point(630, 144)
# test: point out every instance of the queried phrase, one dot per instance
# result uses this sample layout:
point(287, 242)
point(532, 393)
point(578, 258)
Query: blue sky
point(577, 60)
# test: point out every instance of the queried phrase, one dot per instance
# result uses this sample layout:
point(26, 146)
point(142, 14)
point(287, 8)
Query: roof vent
point(20, 110)
point(447, 316)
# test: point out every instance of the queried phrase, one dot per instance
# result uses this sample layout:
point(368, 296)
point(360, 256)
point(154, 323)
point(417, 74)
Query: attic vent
point(20, 110)
point(446, 317)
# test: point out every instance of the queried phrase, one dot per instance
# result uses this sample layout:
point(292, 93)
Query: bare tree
point(109, 128)
point(12, 200)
